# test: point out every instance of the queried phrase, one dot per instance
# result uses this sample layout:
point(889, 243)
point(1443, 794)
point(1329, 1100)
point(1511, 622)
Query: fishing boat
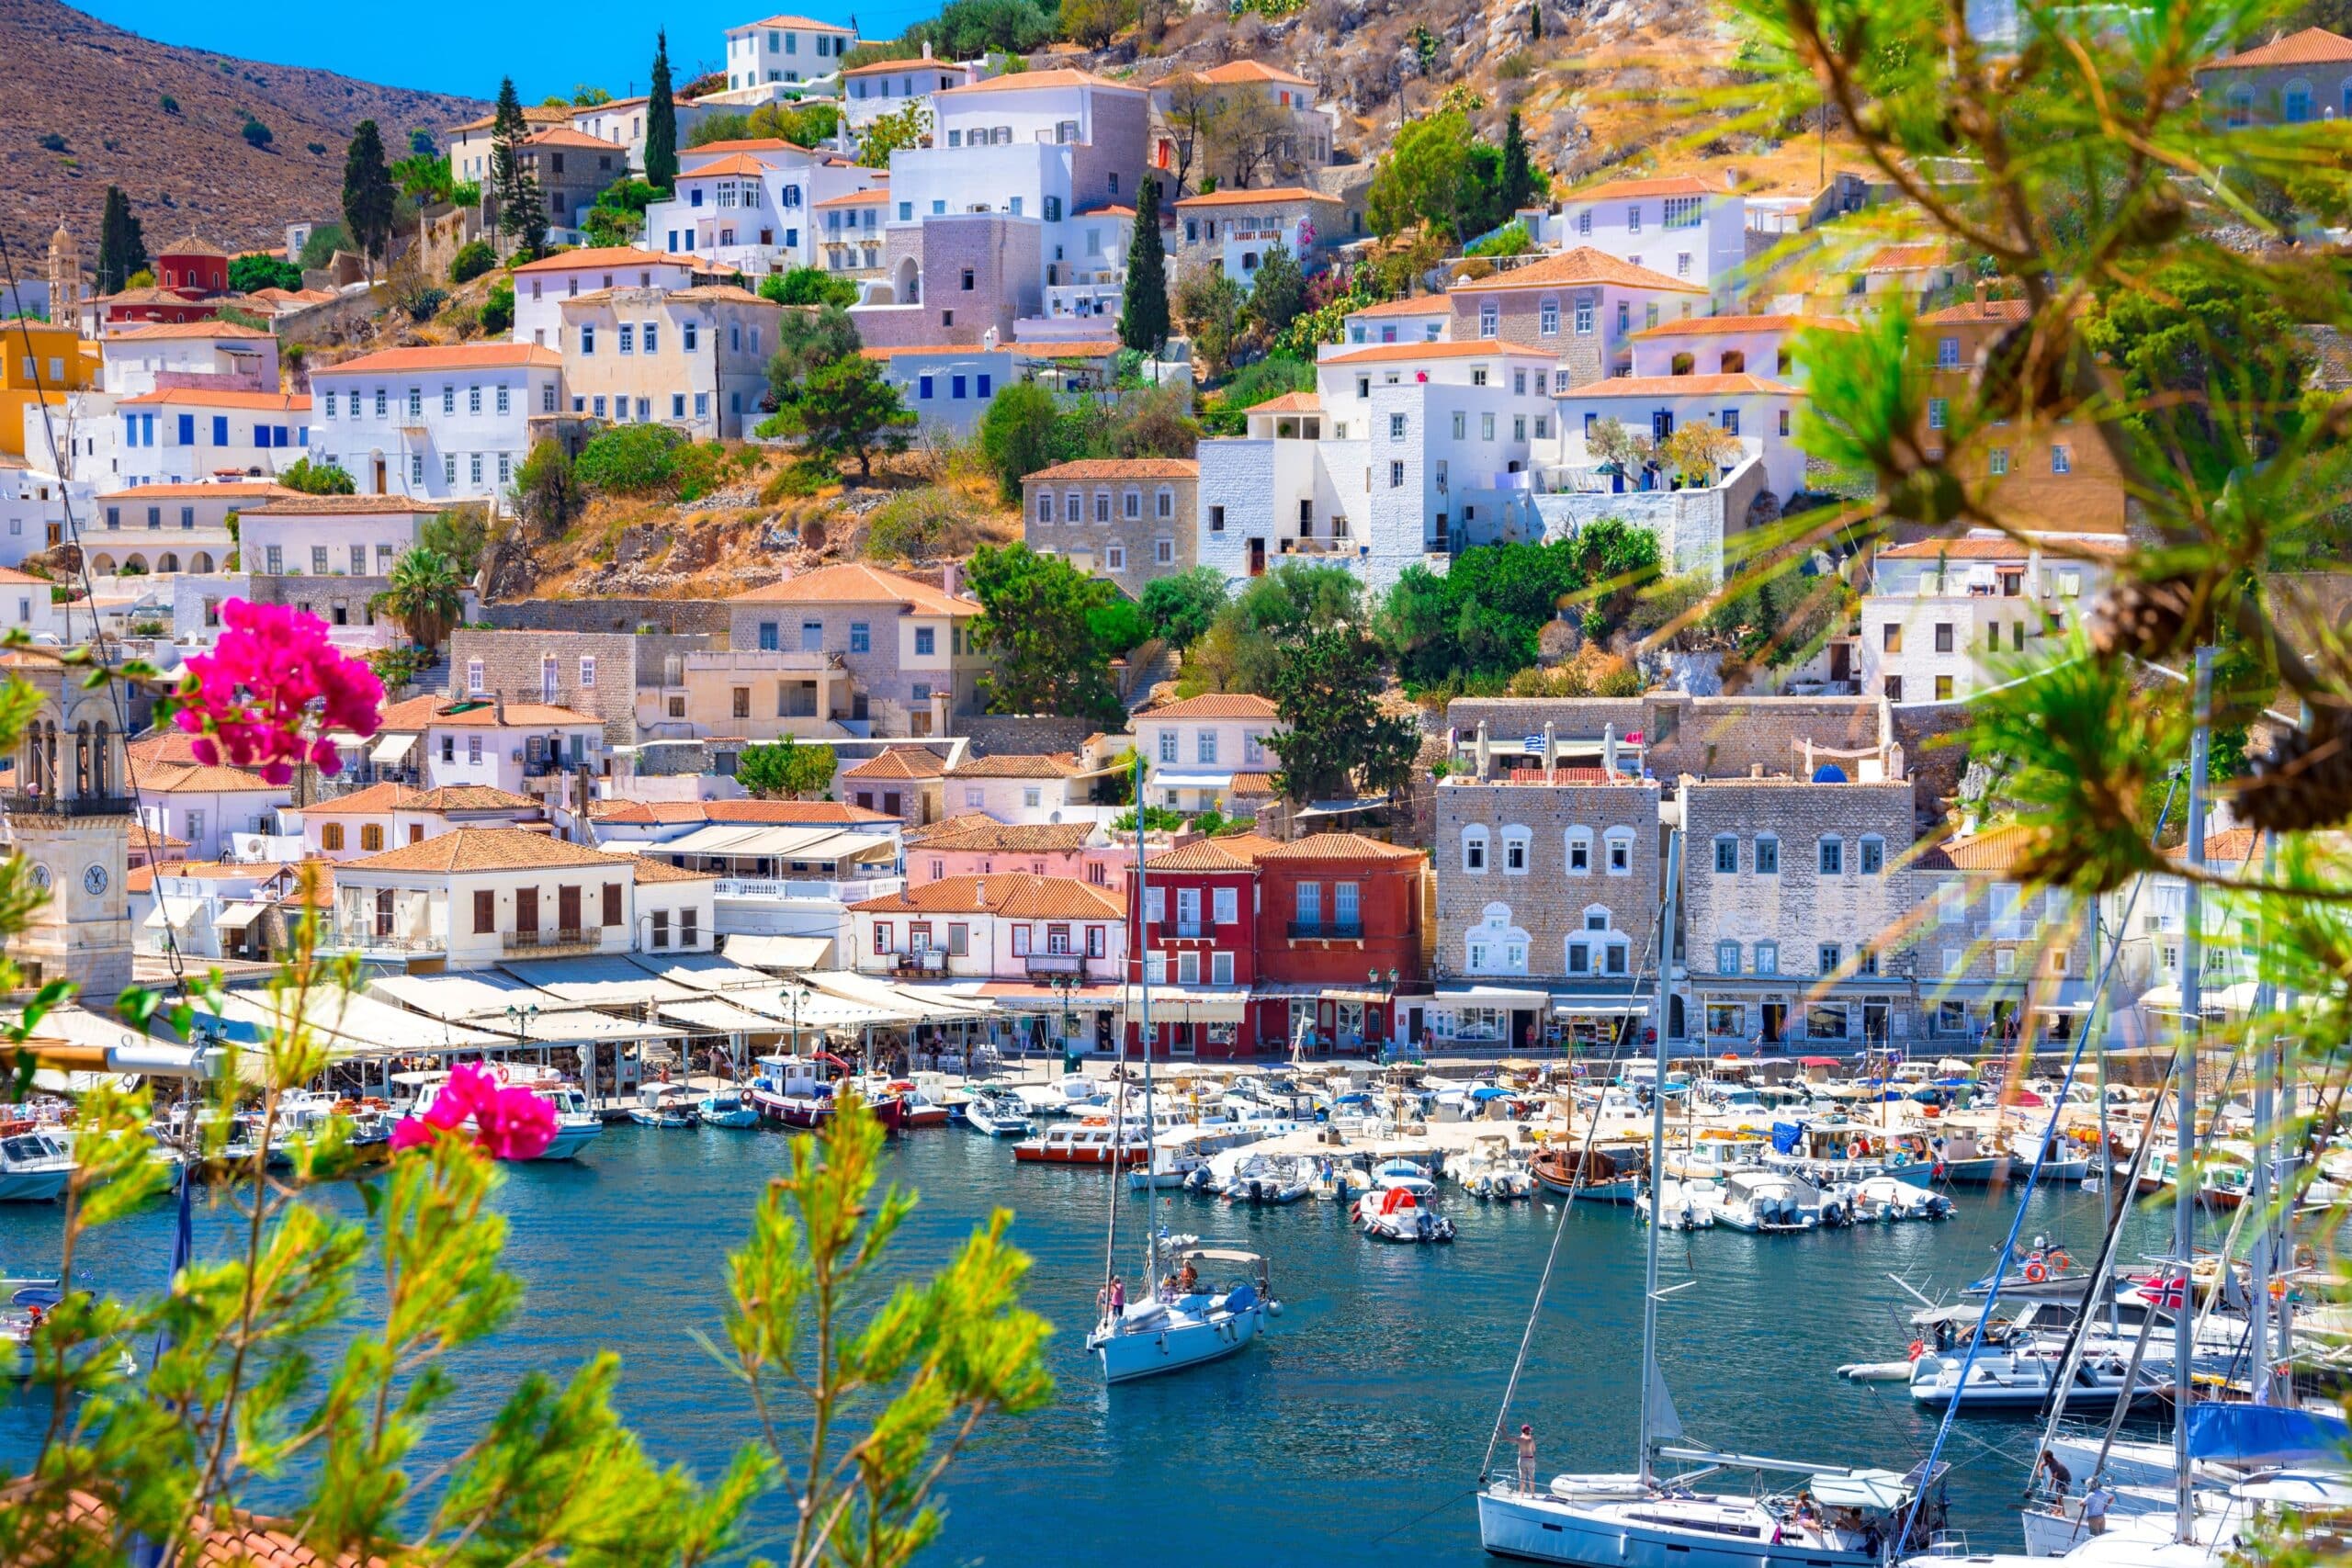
point(661, 1105)
point(576, 1122)
point(998, 1116)
point(1096, 1141)
point(1593, 1176)
point(1683, 1205)
point(726, 1108)
point(1181, 1321)
point(917, 1109)
point(794, 1091)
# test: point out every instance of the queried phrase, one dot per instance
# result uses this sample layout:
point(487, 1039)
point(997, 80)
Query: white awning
point(1168, 778)
point(1177, 1004)
point(782, 954)
point(237, 917)
point(696, 974)
point(773, 842)
point(596, 982)
point(348, 1024)
point(389, 751)
point(582, 1027)
point(909, 1004)
point(710, 1015)
point(484, 995)
point(181, 913)
point(1490, 997)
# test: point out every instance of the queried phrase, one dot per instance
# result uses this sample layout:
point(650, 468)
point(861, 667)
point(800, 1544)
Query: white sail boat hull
point(1540, 1527)
point(1133, 1353)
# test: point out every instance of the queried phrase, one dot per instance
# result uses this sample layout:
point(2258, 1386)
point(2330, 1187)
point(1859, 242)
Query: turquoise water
point(1355, 1432)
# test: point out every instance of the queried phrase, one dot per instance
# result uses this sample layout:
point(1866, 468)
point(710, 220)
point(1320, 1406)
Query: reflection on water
point(1353, 1429)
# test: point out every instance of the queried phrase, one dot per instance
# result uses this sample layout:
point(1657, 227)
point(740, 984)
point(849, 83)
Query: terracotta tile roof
point(477, 713)
point(1999, 546)
point(651, 870)
point(1996, 849)
point(1252, 71)
point(1121, 469)
point(726, 294)
point(564, 136)
point(268, 402)
point(1408, 353)
point(151, 838)
point(1108, 209)
point(606, 255)
point(934, 350)
point(1411, 305)
point(2230, 847)
point(857, 584)
point(201, 331)
point(1015, 895)
point(814, 813)
point(213, 870)
point(236, 491)
point(1060, 765)
point(1216, 705)
point(533, 114)
point(490, 849)
point(900, 762)
point(733, 165)
point(1289, 402)
point(190, 245)
point(962, 822)
point(878, 198)
point(1706, 326)
point(990, 837)
point(2312, 46)
point(1907, 257)
point(468, 797)
point(198, 779)
point(1252, 783)
point(173, 747)
point(1339, 846)
point(1665, 185)
point(1234, 851)
point(803, 24)
point(1738, 384)
point(1267, 196)
point(300, 505)
point(10, 575)
point(366, 802)
point(449, 357)
point(1583, 265)
point(1092, 348)
point(1977, 313)
point(739, 144)
point(1030, 80)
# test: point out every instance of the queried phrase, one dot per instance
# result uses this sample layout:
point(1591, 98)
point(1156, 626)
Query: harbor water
point(1352, 1432)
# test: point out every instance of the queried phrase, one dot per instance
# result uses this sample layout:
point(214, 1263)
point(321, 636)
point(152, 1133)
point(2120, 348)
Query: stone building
point(1795, 903)
point(1548, 888)
point(2294, 80)
point(1129, 519)
point(1993, 952)
point(591, 673)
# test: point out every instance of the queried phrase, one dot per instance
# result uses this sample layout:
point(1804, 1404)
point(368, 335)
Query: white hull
point(1542, 1529)
point(1147, 1351)
point(571, 1137)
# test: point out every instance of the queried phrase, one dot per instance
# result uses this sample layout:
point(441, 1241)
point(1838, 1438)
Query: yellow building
point(57, 362)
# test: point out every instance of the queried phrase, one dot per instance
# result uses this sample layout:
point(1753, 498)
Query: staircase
point(434, 678)
point(1149, 665)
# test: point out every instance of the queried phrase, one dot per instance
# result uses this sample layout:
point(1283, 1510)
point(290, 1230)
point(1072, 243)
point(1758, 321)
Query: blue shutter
point(983, 386)
point(219, 430)
point(187, 430)
point(922, 387)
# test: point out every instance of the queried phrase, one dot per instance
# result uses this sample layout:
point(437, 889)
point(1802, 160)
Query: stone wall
point(1691, 525)
point(1546, 901)
point(1023, 735)
point(1935, 751)
point(675, 615)
point(1509, 719)
point(514, 665)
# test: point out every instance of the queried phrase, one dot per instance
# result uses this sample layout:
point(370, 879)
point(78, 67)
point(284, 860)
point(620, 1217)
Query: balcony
point(848, 891)
point(1186, 930)
point(26, 804)
point(1327, 931)
point(926, 961)
point(549, 940)
point(1051, 966)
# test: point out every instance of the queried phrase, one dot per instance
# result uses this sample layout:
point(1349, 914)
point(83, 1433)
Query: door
point(1875, 1015)
point(1257, 558)
point(1307, 519)
point(526, 910)
point(1841, 660)
point(1523, 1029)
point(1776, 1022)
point(567, 908)
point(1677, 1026)
point(380, 478)
point(1661, 423)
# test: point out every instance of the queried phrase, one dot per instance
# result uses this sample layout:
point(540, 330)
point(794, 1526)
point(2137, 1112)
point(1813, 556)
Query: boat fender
point(1918, 1349)
point(2035, 1273)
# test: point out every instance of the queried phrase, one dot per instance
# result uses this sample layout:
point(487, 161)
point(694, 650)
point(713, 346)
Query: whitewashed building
point(694, 359)
point(883, 87)
point(1193, 749)
point(445, 423)
point(541, 286)
point(753, 204)
point(1681, 226)
point(1944, 618)
point(783, 50)
point(182, 434)
point(329, 535)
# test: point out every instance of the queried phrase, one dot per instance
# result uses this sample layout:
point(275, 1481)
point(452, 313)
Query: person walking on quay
point(1526, 1457)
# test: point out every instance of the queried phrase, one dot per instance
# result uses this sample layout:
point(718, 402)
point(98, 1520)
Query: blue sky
point(465, 46)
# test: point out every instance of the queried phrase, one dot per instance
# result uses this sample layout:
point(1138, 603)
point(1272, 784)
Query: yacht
point(998, 1116)
point(795, 1092)
point(1183, 1325)
point(1488, 1169)
point(2021, 1377)
point(1835, 1518)
point(1404, 1208)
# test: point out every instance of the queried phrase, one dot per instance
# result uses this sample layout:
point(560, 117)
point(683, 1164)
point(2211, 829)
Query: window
point(1726, 958)
point(1397, 426)
point(1489, 319)
point(1620, 852)
point(1548, 319)
point(1225, 903)
point(1943, 688)
point(1943, 637)
point(926, 642)
point(1205, 747)
point(1515, 845)
point(1115, 556)
point(1726, 855)
point(1767, 855)
point(1167, 746)
point(1829, 957)
point(2062, 461)
point(1952, 902)
point(1948, 353)
point(485, 911)
point(1997, 462)
point(1473, 850)
point(474, 687)
point(1833, 857)
point(1395, 475)
point(1768, 958)
point(1584, 316)
point(1579, 842)
point(1873, 855)
point(331, 837)
point(1938, 413)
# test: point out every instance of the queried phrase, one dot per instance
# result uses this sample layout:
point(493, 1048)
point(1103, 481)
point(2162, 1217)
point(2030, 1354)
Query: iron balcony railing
point(1326, 931)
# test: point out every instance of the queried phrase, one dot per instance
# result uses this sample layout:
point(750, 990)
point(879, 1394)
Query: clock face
point(95, 880)
point(40, 876)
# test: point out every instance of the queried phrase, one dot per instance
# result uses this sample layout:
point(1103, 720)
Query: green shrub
point(921, 525)
point(473, 258)
point(171, 104)
point(699, 469)
point(249, 275)
point(256, 133)
point(425, 303)
point(1511, 239)
point(317, 479)
point(808, 286)
point(630, 459)
point(498, 310)
point(53, 142)
point(321, 247)
point(1118, 625)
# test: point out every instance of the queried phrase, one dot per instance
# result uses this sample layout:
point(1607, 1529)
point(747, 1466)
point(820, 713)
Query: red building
point(1246, 941)
point(191, 285)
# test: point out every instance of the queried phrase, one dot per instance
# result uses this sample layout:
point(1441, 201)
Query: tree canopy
point(1327, 686)
point(846, 410)
point(1478, 621)
point(1143, 314)
point(1038, 627)
point(785, 769)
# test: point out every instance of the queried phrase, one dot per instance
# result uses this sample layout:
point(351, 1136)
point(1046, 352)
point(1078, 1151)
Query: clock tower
point(69, 811)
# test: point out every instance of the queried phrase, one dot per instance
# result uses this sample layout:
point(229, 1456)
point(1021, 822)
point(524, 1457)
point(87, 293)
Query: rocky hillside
point(168, 125)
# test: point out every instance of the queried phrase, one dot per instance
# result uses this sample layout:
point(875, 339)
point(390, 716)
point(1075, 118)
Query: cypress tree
point(122, 247)
point(507, 127)
point(1142, 311)
point(1518, 178)
point(661, 122)
point(369, 197)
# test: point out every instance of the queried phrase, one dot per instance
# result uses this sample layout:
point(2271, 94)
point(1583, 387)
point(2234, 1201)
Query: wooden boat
point(1599, 1175)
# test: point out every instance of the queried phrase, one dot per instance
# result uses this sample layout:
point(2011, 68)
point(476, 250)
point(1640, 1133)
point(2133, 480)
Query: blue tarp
point(1785, 1135)
point(2263, 1434)
point(1489, 1092)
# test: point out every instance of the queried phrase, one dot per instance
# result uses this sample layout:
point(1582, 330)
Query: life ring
point(1918, 1349)
point(2059, 1261)
point(2035, 1273)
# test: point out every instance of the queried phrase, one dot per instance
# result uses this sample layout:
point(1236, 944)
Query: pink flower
point(271, 688)
point(509, 1122)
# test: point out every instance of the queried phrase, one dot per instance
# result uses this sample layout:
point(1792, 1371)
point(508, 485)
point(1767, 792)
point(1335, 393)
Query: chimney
point(951, 579)
point(1755, 770)
point(1983, 291)
point(498, 707)
point(926, 49)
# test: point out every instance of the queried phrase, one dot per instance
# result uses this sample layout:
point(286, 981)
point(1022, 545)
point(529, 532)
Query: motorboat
point(998, 1116)
point(1095, 1141)
point(1403, 1209)
point(661, 1105)
point(1488, 1169)
point(917, 1109)
point(1888, 1199)
point(1767, 1202)
point(726, 1108)
point(794, 1092)
point(1683, 1205)
point(576, 1122)
point(1186, 1322)
point(1267, 1178)
point(1339, 1180)
point(2021, 1377)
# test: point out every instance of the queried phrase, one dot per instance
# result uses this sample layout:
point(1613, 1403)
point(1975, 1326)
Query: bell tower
point(69, 811)
point(64, 277)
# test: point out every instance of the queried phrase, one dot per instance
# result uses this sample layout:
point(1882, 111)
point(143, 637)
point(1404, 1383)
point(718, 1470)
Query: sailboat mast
point(1143, 993)
point(1657, 1146)
point(2192, 1026)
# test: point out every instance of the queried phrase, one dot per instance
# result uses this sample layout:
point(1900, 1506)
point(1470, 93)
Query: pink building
point(976, 845)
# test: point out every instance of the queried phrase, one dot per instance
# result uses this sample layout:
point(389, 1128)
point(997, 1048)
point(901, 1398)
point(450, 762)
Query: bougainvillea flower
point(509, 1122)
point(270, 690)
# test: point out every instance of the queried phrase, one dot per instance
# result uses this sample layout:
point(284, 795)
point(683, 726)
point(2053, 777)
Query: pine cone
point(2147, 618)
point(2305, 783)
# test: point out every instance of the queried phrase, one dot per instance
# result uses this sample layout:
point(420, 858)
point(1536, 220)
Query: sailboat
point(1833, 1516)
point(1185, 1319)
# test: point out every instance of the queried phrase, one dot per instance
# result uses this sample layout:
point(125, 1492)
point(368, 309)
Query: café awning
point(1510, 997)
point(1178, 1004)
point(390, 751)
point(708, 1015)
point(783, 954)
point(598, 982)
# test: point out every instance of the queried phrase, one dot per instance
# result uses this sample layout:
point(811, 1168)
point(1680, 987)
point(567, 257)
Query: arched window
point(1495, 946)
point(1516, 842)
point(331, 837)
point(101, 766)
point(1473, 850)
point(200, 561)
point(2295, 103)
point(1618, 844)
point(82, 758)
point(167, 561)
point(1733, 362)
point(1579, 860)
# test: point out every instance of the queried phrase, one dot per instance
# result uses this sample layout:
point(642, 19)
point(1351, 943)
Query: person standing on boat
point(2095, 1505)
point(1526, 1457)
point(2059, 1476)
